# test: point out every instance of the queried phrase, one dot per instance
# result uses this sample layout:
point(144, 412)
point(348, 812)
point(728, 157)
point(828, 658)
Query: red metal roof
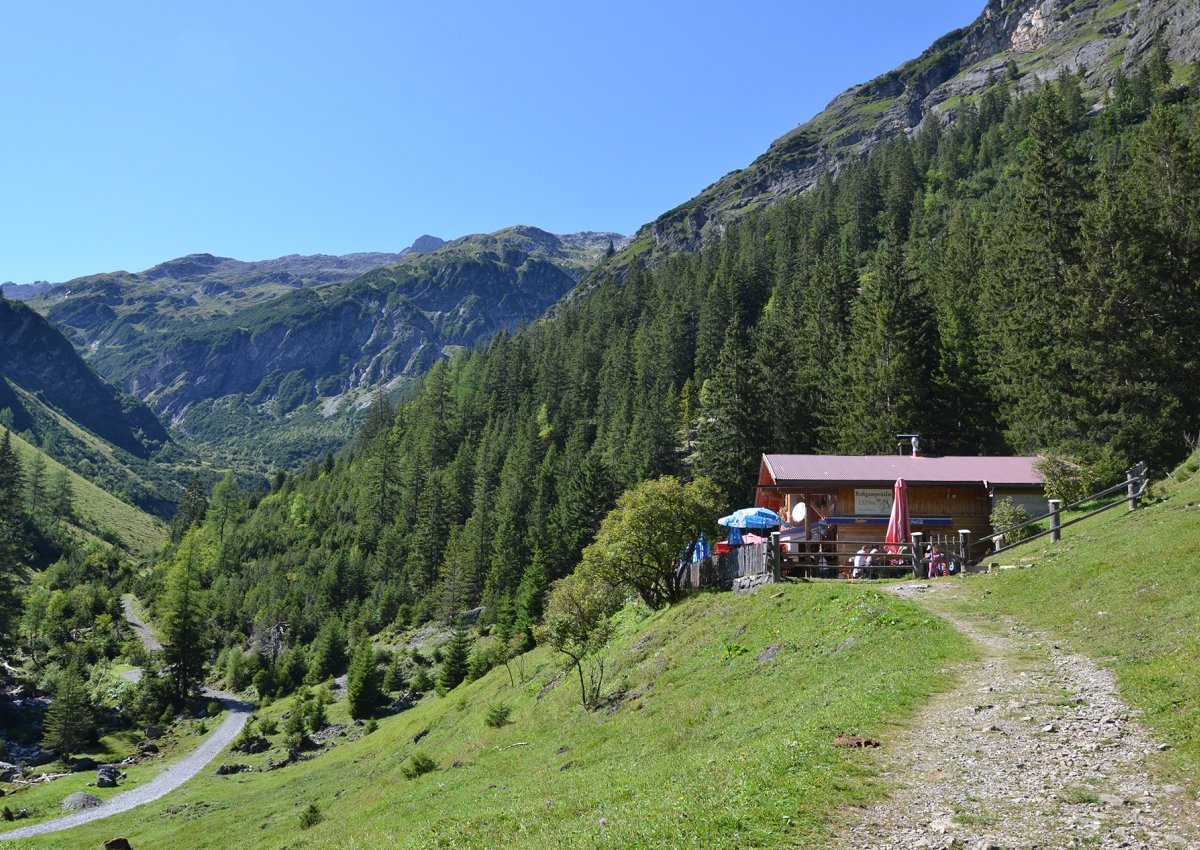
point(791, 470)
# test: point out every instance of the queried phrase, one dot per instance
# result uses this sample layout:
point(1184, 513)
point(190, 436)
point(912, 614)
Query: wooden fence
point(1137, 479)
point(752, 562)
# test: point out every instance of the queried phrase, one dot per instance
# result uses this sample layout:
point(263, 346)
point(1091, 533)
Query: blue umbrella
point(751, 518)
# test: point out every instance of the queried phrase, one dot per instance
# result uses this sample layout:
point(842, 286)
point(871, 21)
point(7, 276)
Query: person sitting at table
point(860, 562)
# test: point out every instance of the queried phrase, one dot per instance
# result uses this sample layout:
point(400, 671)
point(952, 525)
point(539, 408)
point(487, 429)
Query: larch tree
point(12, 537)
point(185, 638)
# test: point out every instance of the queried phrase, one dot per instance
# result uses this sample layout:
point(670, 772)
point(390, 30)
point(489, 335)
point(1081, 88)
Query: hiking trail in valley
point(171, 777)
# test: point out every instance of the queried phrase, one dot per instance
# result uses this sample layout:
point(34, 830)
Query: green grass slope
point(708, 746)
point(98, 511)
point(1125, 588)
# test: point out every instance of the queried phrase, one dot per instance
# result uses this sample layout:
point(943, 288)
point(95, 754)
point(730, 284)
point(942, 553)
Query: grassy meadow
point(706, 742)
point(97, 509)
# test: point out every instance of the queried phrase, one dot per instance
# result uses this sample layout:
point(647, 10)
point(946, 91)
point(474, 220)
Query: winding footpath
point(1033, 748)
point(147, 637)
point(170, 778)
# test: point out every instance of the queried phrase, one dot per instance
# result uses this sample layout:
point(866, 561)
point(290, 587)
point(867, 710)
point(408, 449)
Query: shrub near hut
point(642, 538)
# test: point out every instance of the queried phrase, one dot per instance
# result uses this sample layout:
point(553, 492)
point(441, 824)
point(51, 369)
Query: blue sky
point(136, 132)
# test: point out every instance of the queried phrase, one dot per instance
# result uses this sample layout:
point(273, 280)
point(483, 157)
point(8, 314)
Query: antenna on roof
point(913, 440)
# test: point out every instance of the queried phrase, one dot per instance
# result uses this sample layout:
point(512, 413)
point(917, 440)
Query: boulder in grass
point(83, 763)
point(117, 844)
point(42, 757)
point(154, 732)
point(81, 800)
point(107, 776)
point(147, 748)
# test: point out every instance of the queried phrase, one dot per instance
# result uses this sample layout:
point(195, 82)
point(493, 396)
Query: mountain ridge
point(1041, 38)
point(274, 358)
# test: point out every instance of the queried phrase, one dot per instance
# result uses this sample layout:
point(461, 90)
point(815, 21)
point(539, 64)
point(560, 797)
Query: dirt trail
point(140, 629)
point(172, 777)
point(1033, 749)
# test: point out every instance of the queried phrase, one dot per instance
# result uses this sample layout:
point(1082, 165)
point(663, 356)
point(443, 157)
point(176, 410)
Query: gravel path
point(161, 785)
point(173, 776)
point(1033, 749)
point(140, 629)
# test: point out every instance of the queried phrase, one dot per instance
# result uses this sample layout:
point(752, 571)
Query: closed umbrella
point(898, 530)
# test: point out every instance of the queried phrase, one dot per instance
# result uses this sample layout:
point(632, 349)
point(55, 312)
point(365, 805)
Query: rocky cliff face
point(390, 324)
point(1042, 38)
point(37, 358)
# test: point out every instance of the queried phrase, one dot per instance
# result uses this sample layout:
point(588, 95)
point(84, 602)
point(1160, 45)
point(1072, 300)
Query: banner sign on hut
point(873, 502)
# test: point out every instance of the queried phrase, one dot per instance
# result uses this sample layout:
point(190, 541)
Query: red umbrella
point(898, 530)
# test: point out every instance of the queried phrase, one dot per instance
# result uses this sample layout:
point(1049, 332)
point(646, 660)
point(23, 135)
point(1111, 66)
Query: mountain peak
point(192, 265)
point(423, 245)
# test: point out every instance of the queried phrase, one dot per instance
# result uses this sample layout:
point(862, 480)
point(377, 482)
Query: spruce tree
point(328, 651)
point(959, 405)
point(362, 681)
point(192, 509)
point(396, 676)
point(69, 722)
point(887, 367)
point(454, 662)
point(12, 482)
point(732, 436)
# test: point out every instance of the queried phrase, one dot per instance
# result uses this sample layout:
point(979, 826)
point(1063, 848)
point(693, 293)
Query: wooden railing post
point(1055, 520)
point(1133, 484)
point(917, 537)
point(776, 557)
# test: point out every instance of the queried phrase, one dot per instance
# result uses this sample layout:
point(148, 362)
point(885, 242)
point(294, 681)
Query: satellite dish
point(799, 512)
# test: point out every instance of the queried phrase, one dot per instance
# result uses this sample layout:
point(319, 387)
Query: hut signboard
point(878, 502)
